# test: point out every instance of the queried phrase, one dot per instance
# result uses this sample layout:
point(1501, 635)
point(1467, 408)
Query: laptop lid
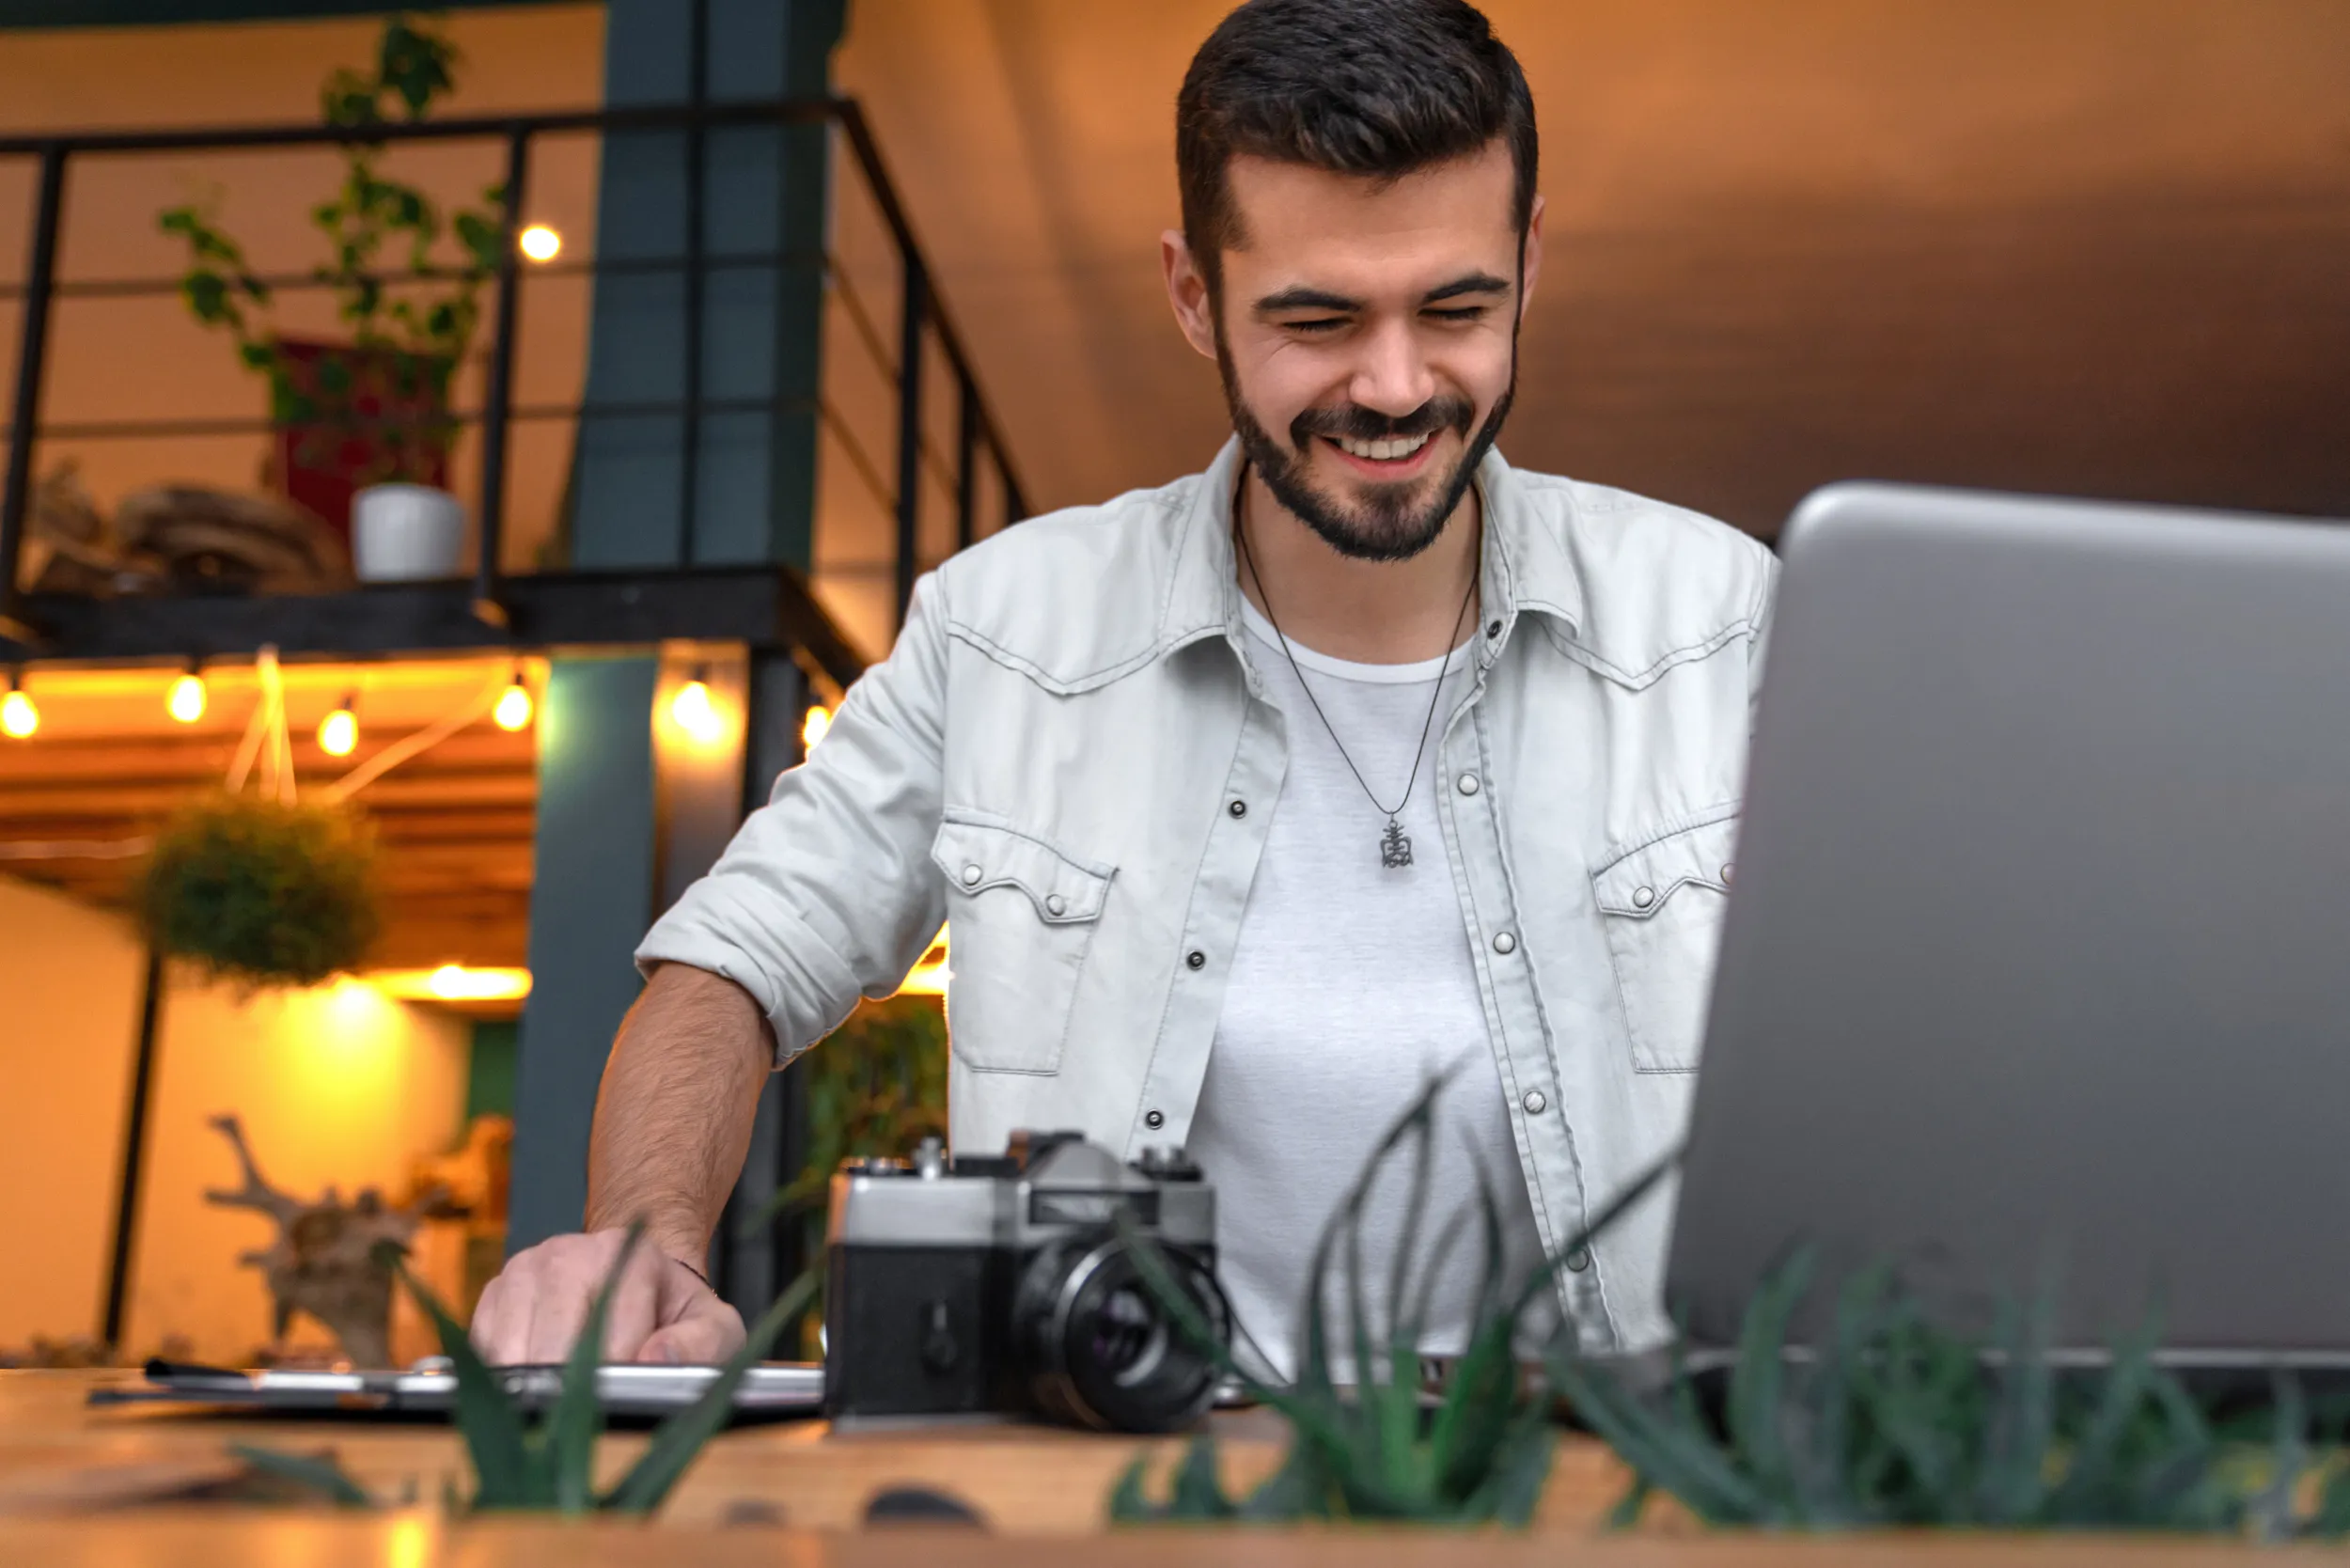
point(2037, 963)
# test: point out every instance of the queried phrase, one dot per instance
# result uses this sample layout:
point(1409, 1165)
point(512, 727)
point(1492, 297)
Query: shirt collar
point(1526, 568)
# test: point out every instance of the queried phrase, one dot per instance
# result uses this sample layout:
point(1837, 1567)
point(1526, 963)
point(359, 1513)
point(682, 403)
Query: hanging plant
point(260, 889)
point(263, 892)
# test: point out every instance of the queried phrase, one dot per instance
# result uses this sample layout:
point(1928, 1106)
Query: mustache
point(1444, 412)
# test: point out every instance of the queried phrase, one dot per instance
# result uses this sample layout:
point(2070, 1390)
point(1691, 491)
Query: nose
point(1392, 377)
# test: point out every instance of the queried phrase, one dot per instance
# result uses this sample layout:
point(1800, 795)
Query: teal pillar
point(590, 899)
point(741, 210)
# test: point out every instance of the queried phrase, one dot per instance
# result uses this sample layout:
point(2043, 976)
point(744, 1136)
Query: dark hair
point(1379, 87)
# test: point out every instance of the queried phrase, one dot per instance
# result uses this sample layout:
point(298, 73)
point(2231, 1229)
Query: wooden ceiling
point(454, 825)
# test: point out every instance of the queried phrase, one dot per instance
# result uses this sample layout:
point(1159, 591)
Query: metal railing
point(921, 313)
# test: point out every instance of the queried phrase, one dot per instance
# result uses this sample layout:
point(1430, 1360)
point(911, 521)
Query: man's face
point(1367, 334)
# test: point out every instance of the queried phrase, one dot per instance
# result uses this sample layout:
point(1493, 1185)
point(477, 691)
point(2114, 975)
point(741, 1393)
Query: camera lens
point(1129, 1335)
point(1103, 1351)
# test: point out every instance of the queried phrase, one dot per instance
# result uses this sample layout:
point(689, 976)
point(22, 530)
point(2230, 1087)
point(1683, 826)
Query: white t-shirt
point(1350, 988)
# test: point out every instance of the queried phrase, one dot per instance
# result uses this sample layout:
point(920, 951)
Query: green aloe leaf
point(486, 1416)
point(2272, 1511)
point(320, 1474)
point(1683, 1460)
point(680, 1438)
point(1758, 1385)
point(577, 1420)
point(1130, 1504)
point(1516, 1485)
point(1198, 1492)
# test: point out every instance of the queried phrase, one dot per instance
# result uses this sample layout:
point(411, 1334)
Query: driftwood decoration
point(322, 1262)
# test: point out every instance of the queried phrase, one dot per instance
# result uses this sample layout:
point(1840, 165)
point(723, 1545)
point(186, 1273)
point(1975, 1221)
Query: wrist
point(674, 1240)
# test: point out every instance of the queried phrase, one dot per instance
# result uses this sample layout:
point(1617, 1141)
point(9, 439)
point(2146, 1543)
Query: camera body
point(1002, 1283)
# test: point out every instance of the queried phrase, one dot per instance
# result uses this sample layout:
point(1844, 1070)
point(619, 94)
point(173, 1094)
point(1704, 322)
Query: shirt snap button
point(1197, 959)
point(971, 876)
point(1468, 784)
point(1578, 1259)
point(1494, 630)
point(1643, 897)
point(1534, 1101)
point(1505, 942)
point(1726, 871)
point(1055, 905)
point(1154, 1119)
point(1238, 808)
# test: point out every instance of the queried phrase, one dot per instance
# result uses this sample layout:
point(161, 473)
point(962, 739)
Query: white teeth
point(1382, 450)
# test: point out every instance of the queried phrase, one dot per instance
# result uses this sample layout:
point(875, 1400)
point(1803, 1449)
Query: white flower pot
point(402, 533)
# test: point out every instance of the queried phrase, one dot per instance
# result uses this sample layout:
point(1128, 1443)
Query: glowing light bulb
point(540, 243)
point(339, 732)
point(186, 702)
point(19, 718)
point(694, 712)
point(514, 707)
point(814, 726)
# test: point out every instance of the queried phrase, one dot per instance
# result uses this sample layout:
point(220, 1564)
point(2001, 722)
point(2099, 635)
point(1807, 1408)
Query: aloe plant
point(549, 1464)
point(1895, 1421)
point(1371, 1452)
point(1892, 1421)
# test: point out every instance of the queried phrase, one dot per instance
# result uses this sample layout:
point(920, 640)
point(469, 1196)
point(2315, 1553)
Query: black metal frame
point(497, 609)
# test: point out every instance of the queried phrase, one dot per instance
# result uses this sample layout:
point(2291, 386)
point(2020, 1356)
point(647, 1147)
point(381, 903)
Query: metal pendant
point(1395, 846)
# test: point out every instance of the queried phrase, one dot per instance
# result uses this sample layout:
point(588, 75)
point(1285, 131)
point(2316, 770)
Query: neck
point(1367, 611)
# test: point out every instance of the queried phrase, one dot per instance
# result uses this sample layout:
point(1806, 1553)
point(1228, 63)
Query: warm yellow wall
point(68, 1021)
point(338, 1086)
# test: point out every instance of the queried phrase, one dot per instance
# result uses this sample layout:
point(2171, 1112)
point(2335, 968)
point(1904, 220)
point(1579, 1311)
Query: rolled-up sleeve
point(828, 892)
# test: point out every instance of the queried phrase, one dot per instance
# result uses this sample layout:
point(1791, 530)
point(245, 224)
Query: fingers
point(497, 1320)
point(704, 1330)
point(695, 1326)
point(535, 1308)
point(636, 1306)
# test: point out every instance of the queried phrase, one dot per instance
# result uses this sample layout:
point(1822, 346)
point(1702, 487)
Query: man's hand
point(533, 1311)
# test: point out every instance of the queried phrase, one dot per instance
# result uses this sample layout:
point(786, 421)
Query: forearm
point(674, 1113)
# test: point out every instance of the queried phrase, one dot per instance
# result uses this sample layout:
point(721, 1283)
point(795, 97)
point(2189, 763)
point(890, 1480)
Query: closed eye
point(1462, 314)
point(1315, 323)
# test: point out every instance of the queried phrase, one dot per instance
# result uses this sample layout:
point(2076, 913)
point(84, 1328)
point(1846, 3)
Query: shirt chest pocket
point(1661, 905)
point(1020, 922)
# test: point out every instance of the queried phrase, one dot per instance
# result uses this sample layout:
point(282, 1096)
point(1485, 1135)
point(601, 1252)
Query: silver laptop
point(2038, 966)
point(624, 1390)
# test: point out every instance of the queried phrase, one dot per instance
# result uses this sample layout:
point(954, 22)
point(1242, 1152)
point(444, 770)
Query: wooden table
point(796, 1494)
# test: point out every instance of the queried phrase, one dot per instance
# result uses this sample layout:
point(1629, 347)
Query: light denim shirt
point(1069, 759)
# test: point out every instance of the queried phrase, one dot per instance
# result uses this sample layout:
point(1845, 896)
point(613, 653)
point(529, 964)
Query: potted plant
point(373, 408)
point(263, 891)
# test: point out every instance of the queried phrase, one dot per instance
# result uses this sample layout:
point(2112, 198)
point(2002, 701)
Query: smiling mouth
point(1391, 457)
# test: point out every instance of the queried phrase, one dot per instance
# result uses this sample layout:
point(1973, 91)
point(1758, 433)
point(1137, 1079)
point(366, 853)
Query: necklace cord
point(1240, 528)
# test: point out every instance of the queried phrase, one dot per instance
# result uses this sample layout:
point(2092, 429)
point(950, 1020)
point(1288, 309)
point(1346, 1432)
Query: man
point(1253, 802)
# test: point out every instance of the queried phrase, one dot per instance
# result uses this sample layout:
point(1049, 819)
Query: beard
point(1388, 522)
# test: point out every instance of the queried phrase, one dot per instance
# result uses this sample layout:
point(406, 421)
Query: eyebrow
point(1476, 283)
point(1301, 298)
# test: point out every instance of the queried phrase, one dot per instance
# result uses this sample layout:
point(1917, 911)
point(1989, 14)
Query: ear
point(1531, 262)
point(1187, 292)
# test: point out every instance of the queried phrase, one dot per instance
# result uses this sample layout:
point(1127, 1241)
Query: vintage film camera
point(1001, 1283)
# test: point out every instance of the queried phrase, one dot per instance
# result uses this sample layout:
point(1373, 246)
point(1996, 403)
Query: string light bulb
point(514, 707)
point(19, 717)
point(693, 710)
point(814, 725)
point(540, 243)
point(339, 732)
point(188, 697)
